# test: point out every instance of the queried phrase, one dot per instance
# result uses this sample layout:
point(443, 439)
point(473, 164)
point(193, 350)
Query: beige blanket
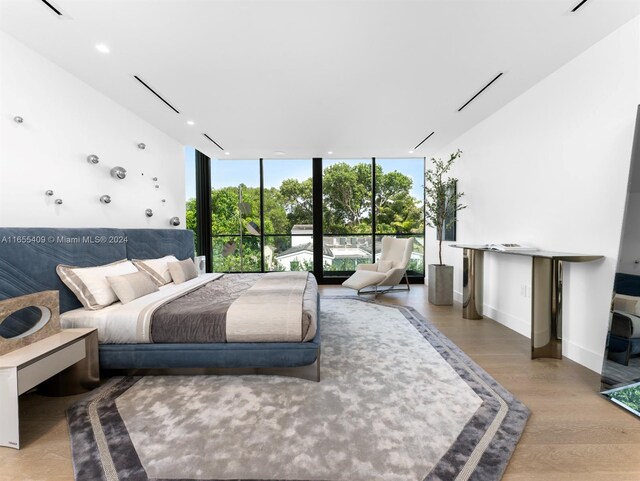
point(269, 311)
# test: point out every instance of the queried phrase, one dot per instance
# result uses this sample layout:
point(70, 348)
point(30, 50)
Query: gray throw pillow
point(183, 271)
point(132, 286)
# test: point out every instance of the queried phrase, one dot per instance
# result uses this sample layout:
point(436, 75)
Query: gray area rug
point(397, 401)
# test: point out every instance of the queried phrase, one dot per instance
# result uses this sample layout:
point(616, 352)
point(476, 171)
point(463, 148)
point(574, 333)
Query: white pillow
point(158, 269)
point(132, 286)
point(624, 303)
point(90, 284)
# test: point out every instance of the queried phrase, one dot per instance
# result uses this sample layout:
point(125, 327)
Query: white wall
point(65, 120)
point(550, 169)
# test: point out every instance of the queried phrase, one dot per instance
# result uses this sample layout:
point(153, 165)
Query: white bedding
point(129, 323)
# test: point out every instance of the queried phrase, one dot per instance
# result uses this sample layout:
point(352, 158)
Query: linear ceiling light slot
point(217, 144)
point(481, 90)
point(156, 94)
point(578, 6)
point(424, 140)
point(57, 12)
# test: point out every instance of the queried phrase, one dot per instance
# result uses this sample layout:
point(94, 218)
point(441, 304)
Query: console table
point(546, 293)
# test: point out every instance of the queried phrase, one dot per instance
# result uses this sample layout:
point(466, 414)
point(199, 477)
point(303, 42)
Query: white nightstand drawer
point(33, 374)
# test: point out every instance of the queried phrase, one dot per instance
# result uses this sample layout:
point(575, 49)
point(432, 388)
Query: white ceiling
point(359, 78)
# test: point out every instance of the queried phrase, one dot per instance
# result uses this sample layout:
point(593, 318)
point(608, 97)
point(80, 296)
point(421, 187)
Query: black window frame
point(205, 234)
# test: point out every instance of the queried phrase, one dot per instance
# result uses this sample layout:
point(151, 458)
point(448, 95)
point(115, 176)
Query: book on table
point(509, 247)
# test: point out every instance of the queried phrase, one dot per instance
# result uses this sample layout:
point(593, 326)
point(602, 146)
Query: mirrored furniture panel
point(620, 380)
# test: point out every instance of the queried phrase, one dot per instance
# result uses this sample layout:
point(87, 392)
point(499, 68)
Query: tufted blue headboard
point(29, 256)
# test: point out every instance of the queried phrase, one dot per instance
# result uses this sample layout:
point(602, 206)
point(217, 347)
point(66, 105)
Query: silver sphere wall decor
point(58, 201)
point(119, 172)
point(142, 146)
point(48, 192)
point(148, 213)
point(18, 120)
point(105, 199)
point(93, 159)
point(174, 221)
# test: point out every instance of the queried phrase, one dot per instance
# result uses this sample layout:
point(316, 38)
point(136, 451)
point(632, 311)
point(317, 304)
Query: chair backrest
point(398, 251)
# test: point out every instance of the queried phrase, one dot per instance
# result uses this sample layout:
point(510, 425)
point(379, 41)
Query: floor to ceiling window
point(347, 220)
point(263, 213)
point(288, 215)
point(236, 215)
point(399, 205)
point(365, 200)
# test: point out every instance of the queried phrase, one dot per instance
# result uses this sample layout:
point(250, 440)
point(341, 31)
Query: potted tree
point(441, 202)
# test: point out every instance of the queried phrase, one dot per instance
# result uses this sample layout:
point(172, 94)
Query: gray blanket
point(200, 316)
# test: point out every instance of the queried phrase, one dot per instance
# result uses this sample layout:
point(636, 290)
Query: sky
point(234, 172)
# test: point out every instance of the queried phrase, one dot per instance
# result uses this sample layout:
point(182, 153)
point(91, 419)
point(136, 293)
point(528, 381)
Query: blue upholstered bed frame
point(28, 259)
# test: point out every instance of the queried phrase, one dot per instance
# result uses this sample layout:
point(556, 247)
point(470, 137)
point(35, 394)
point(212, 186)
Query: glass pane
point(346, 193)
point(190, 190)
point(288, 195)
point(341, 254)
point(416, 264)
point(288, 253)
point(288, 212)
point(236, 254)
point(235, 196)
point(399, 196)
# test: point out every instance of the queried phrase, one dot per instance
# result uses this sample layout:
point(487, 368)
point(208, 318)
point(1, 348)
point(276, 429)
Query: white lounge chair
point(388, 272)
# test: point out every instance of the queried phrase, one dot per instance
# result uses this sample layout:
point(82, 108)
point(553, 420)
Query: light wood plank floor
point(573, 433)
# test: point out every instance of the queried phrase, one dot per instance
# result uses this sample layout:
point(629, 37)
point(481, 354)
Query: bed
point(624, 335)
point(28, 260)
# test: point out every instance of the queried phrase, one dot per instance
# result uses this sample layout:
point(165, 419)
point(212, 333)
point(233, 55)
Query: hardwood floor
point(573, 433)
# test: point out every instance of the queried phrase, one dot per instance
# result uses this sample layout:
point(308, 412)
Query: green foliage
point(398, 211)
point(298, 200)
point(346, 210)
point(442, 200)
point(302, 265)
point(250, 260)
point(346, 198)
point(192, 219)
point(629, 397)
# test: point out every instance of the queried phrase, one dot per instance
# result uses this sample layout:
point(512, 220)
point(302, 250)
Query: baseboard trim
point(514, 323)
point(589, 359)
point(582, 356)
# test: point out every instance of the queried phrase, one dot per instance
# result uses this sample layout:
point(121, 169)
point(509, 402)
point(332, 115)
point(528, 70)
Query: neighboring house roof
point(308, 227)
point(367, 248)
point(308, 247)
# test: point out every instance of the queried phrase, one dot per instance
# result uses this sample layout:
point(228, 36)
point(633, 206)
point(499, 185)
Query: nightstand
point(63, 364)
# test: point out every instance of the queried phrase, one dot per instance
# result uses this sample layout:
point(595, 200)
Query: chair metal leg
point(406, 278)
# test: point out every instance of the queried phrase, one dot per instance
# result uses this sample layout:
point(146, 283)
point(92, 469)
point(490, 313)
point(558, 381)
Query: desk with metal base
point(546, 293)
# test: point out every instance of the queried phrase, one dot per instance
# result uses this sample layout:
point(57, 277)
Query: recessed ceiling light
point(278, 152)
point(190, 122)
point(330, 152)
point(227, 153)
point(102, 48)
point(411, 151)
